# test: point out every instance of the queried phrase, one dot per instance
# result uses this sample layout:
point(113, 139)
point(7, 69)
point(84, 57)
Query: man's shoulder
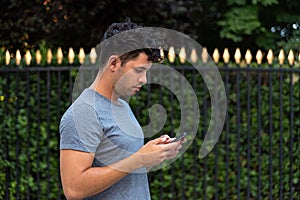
point(81, 108)
point(85, 101)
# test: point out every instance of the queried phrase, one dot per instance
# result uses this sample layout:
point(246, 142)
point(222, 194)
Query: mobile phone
point(180, 137)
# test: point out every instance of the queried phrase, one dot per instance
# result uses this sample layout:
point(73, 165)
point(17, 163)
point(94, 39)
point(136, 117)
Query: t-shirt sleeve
point(80, 129)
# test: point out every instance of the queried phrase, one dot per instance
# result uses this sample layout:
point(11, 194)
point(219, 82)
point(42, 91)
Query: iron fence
point(257, 156)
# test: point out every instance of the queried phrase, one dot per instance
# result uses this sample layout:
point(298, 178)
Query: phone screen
point(183, 135)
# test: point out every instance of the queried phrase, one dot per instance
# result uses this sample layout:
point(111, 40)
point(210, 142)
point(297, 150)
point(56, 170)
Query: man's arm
point(81, 180)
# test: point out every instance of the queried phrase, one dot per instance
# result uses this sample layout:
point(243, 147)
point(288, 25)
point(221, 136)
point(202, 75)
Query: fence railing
point(256, 157)
point(182, 55)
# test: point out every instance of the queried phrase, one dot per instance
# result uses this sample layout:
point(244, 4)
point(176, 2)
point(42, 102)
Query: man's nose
point(143, 79)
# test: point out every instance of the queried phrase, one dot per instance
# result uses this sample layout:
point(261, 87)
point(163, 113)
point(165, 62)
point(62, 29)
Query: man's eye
point(139, 70)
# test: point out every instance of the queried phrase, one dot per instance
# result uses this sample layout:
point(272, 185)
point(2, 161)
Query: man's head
point(127, 52)
point(127, 40)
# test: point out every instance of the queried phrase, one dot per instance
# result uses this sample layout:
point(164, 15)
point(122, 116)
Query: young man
point(102, 151)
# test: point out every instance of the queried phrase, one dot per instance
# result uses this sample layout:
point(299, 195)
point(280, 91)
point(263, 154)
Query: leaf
point(238, 22)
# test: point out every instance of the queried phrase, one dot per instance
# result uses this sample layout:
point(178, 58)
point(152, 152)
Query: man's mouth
point(137, 88)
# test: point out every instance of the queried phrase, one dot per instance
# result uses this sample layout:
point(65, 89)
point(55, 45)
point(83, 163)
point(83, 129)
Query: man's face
point(132, 75)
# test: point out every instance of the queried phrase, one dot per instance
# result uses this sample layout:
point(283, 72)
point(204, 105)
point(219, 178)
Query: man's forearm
point(94, 180)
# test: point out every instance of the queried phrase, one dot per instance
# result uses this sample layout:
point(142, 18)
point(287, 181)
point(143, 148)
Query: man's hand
point(158, 150)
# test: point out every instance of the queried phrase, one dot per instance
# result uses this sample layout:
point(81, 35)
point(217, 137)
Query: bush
point(258, 136)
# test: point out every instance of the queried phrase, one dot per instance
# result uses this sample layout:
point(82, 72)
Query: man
point(102, 155)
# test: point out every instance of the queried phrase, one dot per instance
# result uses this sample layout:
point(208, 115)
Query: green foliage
point(30, 110)
point(292, 43)
point(236, 2)
point(81, 23)
point(31, 105)
point(250, 24)
point(239, 22)
point(265, 2)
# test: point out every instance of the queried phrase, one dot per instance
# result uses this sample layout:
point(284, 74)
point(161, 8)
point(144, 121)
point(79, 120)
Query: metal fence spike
point(28, 57)
point(59, 55)
point(7, 57)
point(71, 55)
point(226, 55)
point(237, 56)
point(194, 56)
point(216, 55)
point(248, 56)
point(18, 57)
point(81, 56)
point(270, 57)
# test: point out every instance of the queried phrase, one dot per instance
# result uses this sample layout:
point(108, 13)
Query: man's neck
point(103, 87)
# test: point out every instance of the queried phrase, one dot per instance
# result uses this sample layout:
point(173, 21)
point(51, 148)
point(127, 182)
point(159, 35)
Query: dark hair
point(114, 46)
point(117, 28)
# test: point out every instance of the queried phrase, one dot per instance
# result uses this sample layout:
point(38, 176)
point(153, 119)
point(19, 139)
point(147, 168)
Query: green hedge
point(29, 129)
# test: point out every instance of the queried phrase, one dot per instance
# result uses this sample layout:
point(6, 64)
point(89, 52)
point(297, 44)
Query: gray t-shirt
point(94, 124)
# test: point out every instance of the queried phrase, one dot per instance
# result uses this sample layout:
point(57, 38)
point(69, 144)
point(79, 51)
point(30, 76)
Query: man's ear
point(114, 62)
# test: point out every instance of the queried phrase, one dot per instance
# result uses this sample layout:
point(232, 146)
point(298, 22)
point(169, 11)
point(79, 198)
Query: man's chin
point(127, 96)
point(134, 92)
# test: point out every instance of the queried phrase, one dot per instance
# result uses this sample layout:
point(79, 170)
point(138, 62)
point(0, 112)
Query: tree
point(261, 22)
point(80, 23)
